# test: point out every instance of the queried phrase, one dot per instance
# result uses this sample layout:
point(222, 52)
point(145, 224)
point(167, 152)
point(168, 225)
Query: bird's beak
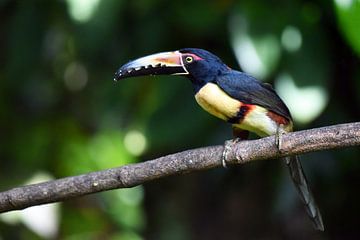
point(165, 63)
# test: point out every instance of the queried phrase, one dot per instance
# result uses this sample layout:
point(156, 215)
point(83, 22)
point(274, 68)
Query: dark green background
point(47, 126)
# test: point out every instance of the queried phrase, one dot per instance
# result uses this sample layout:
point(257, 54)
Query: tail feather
point(300, 182)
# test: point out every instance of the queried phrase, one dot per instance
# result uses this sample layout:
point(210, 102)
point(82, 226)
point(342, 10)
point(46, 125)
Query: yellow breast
point(215, 101)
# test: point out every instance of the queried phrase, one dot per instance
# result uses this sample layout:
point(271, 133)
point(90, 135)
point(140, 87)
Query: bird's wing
point(249, 90)
point(300, 182)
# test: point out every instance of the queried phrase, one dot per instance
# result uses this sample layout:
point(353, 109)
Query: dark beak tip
point(118, 75)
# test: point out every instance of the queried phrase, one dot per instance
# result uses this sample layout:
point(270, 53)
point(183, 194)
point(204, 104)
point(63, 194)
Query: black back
point(249, 90)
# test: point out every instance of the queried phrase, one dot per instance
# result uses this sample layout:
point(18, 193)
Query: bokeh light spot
point(132, 196)
point(248, 58)
point(75, 76)
point(305, 103)
point(135, 142)
point(44, 219)
point(291, 38)
point(257, 55)
point(344, 3)
point(82, 10)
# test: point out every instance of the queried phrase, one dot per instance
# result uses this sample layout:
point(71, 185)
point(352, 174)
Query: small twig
point(337, 136)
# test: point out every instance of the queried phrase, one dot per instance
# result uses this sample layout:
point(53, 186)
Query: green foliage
point(348, 13)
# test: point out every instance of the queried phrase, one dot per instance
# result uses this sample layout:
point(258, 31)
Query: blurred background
point(61, 114)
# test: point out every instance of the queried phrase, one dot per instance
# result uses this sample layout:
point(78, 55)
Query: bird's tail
point(300, 182)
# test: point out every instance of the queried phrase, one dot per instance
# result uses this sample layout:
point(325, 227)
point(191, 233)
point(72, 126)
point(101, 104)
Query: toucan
point(233, 96)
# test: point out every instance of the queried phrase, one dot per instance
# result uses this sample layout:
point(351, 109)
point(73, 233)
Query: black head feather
point(205, 69)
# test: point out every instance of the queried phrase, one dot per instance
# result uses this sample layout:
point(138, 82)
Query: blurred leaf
point(104, 150)
point(84, 223)
point(126, 235)
point(125, 207)
point(348, 13)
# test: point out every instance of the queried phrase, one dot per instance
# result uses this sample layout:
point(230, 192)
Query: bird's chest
point(215, 101)
point(247, 117)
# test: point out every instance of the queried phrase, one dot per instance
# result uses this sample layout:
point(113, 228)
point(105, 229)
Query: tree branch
point(337, 136)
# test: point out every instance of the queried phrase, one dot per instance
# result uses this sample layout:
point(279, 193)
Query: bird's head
point(199, 65)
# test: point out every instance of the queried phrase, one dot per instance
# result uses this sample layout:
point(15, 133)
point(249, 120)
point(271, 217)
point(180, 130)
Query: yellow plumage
point(215, 101)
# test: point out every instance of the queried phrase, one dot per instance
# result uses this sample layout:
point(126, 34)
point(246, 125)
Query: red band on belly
point(278, 118)
point(241, 114)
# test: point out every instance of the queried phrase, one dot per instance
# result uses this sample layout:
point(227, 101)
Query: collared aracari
point(234, 96)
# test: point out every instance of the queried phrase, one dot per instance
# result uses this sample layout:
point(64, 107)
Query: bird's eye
point(189, 59)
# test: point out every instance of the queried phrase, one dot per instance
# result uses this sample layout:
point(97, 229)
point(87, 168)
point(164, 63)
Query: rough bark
point(332, 137)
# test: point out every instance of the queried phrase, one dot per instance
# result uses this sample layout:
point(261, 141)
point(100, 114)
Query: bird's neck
point(200, 79)
point(198, 83)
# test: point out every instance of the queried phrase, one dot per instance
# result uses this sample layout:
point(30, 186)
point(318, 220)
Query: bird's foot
point(278, 138)
point(228, 145)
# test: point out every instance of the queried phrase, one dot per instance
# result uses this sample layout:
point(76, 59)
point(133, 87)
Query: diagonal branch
point(337, 136)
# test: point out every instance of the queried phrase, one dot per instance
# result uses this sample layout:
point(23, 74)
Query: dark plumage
point(236, 97)
point(249, 90)
point(238, 85)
